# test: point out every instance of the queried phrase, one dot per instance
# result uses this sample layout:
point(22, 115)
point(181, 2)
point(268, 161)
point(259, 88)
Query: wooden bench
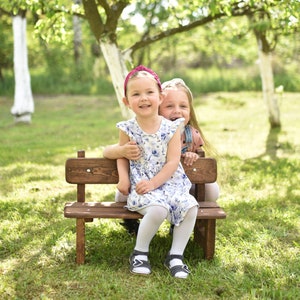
point(82, 171)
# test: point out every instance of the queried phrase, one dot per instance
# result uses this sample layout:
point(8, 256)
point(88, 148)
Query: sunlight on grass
point(257, 246)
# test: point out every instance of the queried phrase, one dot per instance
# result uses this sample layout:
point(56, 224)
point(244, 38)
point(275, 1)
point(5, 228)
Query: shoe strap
point(173, 256)
point(137, 252)
point(181, 268)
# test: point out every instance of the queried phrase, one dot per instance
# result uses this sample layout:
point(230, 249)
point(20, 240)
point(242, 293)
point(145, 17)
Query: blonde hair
point(179, 84)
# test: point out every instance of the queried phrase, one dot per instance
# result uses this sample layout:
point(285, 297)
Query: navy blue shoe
point(131, 225)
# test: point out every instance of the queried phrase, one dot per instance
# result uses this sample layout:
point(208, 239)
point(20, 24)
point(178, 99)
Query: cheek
point(163, 112)
point(186, 117)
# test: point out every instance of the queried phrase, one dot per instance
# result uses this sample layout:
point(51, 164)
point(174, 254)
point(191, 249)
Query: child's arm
point(189, 158)
point(171, 165)
point(130, 150)
point(123, 167)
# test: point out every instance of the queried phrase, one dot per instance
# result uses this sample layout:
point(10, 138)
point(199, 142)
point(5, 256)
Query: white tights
point(153, 218)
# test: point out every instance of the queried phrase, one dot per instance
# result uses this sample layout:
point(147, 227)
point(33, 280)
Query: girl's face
point(175, 105)
point(143, 96)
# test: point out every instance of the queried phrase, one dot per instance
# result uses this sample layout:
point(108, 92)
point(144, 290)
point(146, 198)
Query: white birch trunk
point(266, 73)
point(23, 101)
point(115, 62)
point(77, 34)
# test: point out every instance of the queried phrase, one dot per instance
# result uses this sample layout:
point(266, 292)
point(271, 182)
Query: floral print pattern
point(174, 194)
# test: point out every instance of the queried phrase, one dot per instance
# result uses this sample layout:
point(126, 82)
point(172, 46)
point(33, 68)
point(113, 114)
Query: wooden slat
point(102, 170)
point(91, 170)
point(99, 210)
point(207, 210)
point(203, 170)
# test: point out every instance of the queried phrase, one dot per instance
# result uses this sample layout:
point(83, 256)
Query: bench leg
point(205, 235)
point(80, 241)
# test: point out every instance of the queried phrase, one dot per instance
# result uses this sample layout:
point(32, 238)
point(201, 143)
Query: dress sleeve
point(126, 127)
point(197, 139)
point(178, 123)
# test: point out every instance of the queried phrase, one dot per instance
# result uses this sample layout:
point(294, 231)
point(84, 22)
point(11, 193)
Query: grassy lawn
point(257, 248)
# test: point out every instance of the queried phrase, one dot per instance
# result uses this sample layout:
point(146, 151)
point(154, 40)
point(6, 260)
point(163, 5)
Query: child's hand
point(124, 186)
point(144, 186)
point(189, 158)
point(131, 151)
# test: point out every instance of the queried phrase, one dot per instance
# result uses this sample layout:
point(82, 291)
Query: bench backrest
point(83, 171)
point(102, 170)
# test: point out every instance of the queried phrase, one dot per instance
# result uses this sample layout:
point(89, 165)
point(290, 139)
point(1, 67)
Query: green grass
point(257, 247)
point(83, 82)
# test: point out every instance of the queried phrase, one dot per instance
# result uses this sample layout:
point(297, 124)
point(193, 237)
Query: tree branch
point(93, 17)
point(147, 40)
point(112, 13)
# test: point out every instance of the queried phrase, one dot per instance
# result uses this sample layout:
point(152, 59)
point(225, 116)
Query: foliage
point(6, 57)
point(257, 247)
point(73, 80)
point(223, 42)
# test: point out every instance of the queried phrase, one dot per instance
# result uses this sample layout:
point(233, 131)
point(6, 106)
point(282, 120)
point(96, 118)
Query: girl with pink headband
point(155, 183)
point(135, 71)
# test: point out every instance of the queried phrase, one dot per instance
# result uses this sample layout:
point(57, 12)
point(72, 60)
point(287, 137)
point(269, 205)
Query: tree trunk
point(23, 101)
point(266, 73)
point(118, 71)
point(77, 35)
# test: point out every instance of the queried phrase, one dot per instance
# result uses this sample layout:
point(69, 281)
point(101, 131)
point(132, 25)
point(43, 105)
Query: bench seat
point(113, 210)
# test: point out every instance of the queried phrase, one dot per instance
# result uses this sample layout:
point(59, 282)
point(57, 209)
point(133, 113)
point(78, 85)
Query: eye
point(168, 106)
point(184, 106)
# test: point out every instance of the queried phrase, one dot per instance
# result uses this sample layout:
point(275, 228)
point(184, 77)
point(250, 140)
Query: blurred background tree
point(209, 43)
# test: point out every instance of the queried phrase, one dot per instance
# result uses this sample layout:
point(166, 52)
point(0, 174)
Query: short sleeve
point(127, 127)
point(197, 139)
point(178, 123)
point(191, 140)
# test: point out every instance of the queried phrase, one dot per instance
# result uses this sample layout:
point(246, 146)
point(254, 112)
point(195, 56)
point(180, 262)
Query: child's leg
point(153, 218)
point(212, 191)
point(182, 233)
point(119, 197)
point(181, 236)
point(149, 225)
point(130, 225)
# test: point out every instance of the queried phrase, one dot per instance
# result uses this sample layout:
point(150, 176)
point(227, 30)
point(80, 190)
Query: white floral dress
point(173, 194)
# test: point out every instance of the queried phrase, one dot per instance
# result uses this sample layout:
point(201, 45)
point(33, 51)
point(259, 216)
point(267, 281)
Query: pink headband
point(138, 69)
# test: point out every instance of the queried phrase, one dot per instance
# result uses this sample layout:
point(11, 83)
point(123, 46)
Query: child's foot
point(139, 263)
point(175, 265)
point(171, 230)
point(132, 226)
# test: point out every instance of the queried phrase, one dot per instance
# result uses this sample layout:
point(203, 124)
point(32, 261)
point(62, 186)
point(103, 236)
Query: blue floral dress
point(174, 194)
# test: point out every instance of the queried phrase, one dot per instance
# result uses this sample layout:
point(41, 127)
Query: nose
point(143, 97)
point(177, 110)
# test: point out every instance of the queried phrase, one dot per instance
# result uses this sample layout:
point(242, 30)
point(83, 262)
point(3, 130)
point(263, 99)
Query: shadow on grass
point(273, 145)
point(275, 183)
point(51, 240)
point(272, 142)
point(30, 220)
point(51, 264)
point(101, 244)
